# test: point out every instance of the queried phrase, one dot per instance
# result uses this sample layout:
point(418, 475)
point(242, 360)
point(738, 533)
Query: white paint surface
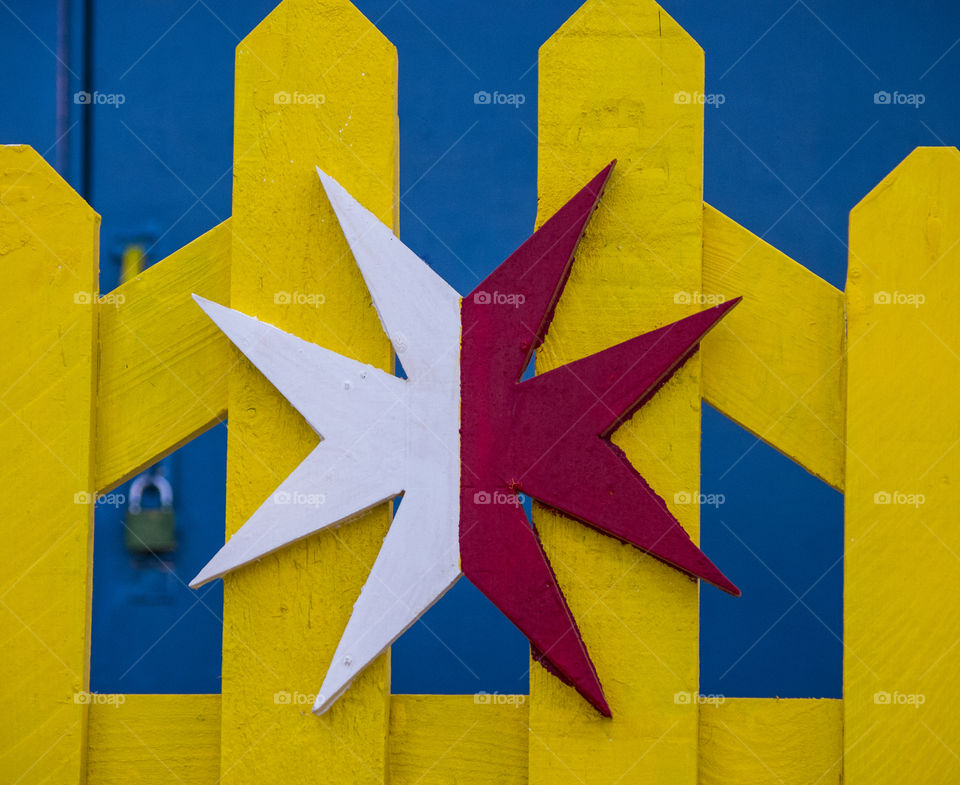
point(381, 436)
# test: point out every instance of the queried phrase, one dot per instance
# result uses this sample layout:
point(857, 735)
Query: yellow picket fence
point(855, 386)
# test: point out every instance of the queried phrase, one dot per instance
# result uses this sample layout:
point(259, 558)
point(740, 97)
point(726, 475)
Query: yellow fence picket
point(315, 85)
point(769, 741)
point(439, 739)
point(622, 80)
point(785, 339)
point(164, 365)
point(858, 387)
point(155, 739)
point(49, 245)
point(901, 659)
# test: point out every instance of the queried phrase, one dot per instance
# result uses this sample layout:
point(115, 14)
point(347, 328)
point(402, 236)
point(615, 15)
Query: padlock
point(151, 530)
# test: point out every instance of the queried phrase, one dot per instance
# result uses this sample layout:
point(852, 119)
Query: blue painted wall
point(797, 141)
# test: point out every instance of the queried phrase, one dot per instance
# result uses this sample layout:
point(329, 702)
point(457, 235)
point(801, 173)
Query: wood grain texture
point(292, 267)
point(163, 366)
point(438, 739)
point(901, 569)
point(155, 740)
point(48, 283)
point(418, 429)
point(769, 741)
point(547, 438)
point(463, 739)
point(775, 365)
point(608, 81)
point(382, 437)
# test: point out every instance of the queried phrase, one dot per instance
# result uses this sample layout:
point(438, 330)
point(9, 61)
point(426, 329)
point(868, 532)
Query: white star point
point(382, 437)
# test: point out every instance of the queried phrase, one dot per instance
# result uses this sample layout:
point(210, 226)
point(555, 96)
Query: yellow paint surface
point(155, 740)
point(902, 566)
point(48, 282)
point(440, 739)
point(767, 741)
point(132, 262)
point(164, 365)
point(775, 363)
point(316, 85)
point(609, 79)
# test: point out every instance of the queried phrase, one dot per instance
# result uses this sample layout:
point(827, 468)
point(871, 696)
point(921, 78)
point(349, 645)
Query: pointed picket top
point(316, 83)
point(48, 379)
point(652, 46)
point(613, 80)
point(639, 19)
point(901, 661)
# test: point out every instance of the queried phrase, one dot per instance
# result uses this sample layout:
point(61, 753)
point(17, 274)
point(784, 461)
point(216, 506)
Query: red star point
point(549, 437)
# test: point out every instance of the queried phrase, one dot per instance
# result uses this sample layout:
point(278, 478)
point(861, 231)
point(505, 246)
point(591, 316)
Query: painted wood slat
point(163, 366)
point(775, 365)
point(609, 78)
point(437, 739)
point(315, 86)
point(382, 437)
point(901, 568)
point(155, 740)
point(770, 741)
point(48, 282)
point(434, 739)
point(466, 739)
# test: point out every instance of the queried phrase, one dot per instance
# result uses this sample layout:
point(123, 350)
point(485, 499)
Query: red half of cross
point(548, 437)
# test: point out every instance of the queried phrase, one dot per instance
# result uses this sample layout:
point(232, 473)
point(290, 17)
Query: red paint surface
point(548, 437)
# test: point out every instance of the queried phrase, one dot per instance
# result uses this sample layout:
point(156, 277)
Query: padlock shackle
point(144, 481)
